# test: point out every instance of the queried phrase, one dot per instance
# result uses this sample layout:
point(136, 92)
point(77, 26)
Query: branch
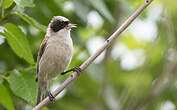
point(95, 55)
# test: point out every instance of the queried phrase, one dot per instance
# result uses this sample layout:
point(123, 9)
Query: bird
point(54, 55)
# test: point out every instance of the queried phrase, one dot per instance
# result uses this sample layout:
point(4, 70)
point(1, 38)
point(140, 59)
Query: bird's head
point(59, 23)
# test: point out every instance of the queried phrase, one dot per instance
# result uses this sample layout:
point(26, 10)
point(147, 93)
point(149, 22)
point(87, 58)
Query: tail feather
point(41, 92)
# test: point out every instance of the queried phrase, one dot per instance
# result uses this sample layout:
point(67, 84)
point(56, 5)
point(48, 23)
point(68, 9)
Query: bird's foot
point(51, 97)
point(76, 69)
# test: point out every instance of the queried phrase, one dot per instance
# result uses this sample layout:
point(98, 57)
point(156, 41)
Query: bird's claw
point(51, 97)
point(75, 69)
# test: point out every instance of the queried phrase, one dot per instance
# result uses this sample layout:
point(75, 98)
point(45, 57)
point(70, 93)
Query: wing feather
point(41, 51)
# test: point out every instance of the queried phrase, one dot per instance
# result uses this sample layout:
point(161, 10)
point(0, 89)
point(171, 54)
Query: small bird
point(55, 55)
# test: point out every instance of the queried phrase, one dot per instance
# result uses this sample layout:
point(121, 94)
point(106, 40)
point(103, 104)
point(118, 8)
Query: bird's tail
point(42, 87)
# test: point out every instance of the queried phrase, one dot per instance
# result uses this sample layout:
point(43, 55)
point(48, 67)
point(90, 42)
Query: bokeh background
point(137, 72)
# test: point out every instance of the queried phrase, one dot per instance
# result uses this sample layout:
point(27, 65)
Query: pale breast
point(57, 56)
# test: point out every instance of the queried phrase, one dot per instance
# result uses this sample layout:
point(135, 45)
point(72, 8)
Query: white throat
point(61, 33)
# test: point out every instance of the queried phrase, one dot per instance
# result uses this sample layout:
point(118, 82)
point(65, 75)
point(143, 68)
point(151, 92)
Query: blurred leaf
point(157, 54)
point(86, 33)
point(82, 89)
point(5, 99)
point(81, 9)
point(6, 3)
point(170, 6)
point(68, 105)
point(135, 3)
point(1, 79)
point(22, 84)
point(18, 42)
point(32, 21)
point(135, 81)
point(132, 43)
point(45, 108)
point(23, 3)
point(101, 7)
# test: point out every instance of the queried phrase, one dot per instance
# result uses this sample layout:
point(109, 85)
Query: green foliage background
point(105, 84)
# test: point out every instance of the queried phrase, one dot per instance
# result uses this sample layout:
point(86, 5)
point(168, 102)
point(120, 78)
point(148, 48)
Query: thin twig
point(95, 55)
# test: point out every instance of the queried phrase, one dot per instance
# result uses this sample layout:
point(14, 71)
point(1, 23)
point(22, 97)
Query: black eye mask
point(58, 25)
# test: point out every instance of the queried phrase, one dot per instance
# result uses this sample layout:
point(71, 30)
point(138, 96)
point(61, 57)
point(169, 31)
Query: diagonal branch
point(95, 55)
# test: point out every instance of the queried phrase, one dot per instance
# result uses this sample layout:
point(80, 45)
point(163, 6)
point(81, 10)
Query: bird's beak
point(70, 25)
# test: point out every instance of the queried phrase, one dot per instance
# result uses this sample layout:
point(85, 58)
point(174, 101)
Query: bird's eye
point(66, 22)
point(62, 23)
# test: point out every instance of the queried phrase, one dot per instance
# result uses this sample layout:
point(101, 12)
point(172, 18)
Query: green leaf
point(18, 42)
point(5, 99)
point(101, 7)
point(23, 3)
point(6, 3)
point(22, 84)
point(32, 21)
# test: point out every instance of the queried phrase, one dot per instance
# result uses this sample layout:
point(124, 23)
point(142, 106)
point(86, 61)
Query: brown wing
point(41, 51)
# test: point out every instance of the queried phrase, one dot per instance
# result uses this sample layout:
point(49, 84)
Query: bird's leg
point(51, 97)
point(75, 69)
